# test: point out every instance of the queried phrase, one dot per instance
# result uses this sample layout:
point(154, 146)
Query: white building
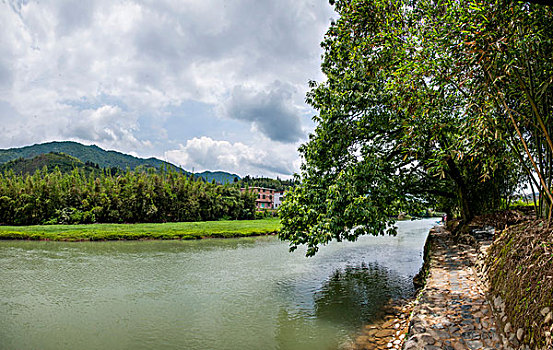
point(278, 198)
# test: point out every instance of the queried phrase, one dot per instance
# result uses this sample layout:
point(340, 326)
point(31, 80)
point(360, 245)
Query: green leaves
point(408, 116)
point(53, 197)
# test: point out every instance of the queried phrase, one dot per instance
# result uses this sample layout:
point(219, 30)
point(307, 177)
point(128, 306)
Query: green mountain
point(68, 154)
point(219, 176)
point(93, 154)
point(65, 163)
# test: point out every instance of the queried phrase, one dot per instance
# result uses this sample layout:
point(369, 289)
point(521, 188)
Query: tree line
point(53, 197)
point(443, 104)
point(276, 184)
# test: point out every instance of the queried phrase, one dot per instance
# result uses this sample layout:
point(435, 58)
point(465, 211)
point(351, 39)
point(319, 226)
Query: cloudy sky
point(205, 84)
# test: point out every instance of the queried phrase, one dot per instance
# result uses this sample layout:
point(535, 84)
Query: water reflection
point(349, 297)
point(354, 295)
point(243, 294)
point(55, 249)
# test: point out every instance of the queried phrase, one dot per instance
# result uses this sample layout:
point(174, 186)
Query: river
point(247, 293)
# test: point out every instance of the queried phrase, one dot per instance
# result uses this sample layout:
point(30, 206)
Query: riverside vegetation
point(179, 230)
point(53, 197)
point(425, 104)
point(440, 104)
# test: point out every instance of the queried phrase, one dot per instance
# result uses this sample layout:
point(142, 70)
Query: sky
point(203, 84)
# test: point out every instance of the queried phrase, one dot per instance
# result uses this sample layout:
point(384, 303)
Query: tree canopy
point(53, 197)
point(444, 104)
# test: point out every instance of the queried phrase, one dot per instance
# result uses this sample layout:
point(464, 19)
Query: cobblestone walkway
point(452, 312)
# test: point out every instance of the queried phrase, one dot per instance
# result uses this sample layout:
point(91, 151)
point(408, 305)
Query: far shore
point(148, 231)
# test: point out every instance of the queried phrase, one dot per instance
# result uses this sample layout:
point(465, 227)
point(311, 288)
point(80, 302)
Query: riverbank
point(488, 287)
point(389, 331)
point(518, 271)
point(452, 310)
point(178, 230)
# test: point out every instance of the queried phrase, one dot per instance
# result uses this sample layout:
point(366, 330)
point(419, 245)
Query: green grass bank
point(178, 230)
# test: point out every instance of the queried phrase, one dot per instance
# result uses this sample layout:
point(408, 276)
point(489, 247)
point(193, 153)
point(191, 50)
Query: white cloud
point(204, 153)
point(65, 63)
point(107, 125)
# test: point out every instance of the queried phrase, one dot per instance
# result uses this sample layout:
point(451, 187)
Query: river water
point(247, 293)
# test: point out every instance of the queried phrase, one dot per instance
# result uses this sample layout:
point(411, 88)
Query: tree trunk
point(464, 201)
point(466, 212)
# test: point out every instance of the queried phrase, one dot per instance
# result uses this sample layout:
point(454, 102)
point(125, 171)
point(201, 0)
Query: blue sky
point(208, 85)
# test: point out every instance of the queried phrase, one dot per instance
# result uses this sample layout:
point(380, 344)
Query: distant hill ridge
point(35, 159)
point(65, 163)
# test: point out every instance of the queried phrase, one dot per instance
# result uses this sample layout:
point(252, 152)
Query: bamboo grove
point(498, 56)
point(128, 197)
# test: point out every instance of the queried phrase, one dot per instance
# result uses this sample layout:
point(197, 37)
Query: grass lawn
point(173, 230)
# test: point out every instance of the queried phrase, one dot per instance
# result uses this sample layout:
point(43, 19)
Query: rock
point(384, 333)
point(457, 346)
point(427, 339)
point(507, 328)
point(372, 332)
point(432, 347)
point(474, 344)
point(410, 345)
point(545, 311)
point(520, 334)
point(548, 318)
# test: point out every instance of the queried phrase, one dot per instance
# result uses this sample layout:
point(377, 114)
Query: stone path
point(453, 312)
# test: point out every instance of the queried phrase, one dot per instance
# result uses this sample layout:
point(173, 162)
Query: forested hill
point(67, 155)
point(65, 163)
point(219, 176)
point(92, 154)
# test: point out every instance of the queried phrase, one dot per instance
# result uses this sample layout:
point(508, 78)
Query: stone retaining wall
point(512, 338)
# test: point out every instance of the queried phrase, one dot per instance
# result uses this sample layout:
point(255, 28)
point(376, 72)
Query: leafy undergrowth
point(179, 230)
point(521, 272)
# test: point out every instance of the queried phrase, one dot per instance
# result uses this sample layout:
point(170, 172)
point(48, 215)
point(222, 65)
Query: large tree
point(407, 118)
